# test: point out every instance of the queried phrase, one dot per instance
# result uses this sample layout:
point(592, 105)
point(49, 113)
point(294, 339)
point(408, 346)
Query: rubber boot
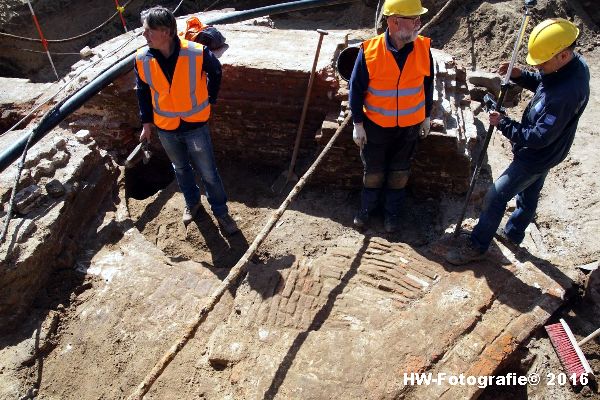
point(368, 202)
point(394, 199)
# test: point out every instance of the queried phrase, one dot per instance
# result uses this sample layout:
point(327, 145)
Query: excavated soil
point(480, 35)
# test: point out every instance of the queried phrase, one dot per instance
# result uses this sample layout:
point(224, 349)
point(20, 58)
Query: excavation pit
point(146, 179)
point(315, 282)
point(324, 311)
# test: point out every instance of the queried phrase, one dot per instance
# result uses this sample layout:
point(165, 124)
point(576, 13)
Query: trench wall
point(65, 180)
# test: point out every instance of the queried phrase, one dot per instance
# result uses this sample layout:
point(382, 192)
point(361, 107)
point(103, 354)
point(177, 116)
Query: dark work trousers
point(387, 149)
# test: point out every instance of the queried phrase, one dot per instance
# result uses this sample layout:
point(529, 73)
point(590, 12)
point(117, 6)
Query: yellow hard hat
point(549, 38)
point(407, 8)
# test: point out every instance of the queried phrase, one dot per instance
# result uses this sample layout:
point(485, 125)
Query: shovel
point(140, 153)
point(289, 175)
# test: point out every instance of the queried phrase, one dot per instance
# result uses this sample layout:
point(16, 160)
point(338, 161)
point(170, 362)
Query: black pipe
point(346, 60)
point(62, 110)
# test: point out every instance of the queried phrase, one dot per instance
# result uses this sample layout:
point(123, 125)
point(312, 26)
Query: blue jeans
point(193, 150)
point(515, 180)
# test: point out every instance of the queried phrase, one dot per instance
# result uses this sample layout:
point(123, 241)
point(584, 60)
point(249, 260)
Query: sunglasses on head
point(414, 18)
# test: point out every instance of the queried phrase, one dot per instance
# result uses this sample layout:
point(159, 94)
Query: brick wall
point(260, 103)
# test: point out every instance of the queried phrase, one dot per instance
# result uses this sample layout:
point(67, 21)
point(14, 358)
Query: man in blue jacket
point(540, 141)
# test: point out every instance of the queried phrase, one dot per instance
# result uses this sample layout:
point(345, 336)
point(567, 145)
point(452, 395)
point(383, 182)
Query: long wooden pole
point(235, 273)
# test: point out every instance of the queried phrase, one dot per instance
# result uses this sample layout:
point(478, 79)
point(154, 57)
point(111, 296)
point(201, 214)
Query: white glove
point(359, 135)
point(425, 128)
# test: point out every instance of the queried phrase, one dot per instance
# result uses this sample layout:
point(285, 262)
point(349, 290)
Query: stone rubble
point(62, 187)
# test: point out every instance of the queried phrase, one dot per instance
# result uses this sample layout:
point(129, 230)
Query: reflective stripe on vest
point(394, 98)
point(187, 95)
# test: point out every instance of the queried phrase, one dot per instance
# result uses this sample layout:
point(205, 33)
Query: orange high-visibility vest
point(186, 97)
point(395, 98)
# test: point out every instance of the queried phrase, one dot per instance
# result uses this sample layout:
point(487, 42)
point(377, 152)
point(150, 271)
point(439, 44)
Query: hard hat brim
point(532, 61)
point(422, 11)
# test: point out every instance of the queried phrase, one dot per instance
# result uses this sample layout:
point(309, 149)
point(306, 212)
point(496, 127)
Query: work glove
point(359, 135)
point(495, 117)
point(425, 128)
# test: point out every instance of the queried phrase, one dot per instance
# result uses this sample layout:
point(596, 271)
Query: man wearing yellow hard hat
point(391, 95)
point(540, 141)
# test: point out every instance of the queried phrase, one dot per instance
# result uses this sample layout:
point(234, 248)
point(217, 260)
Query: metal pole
point(503, 89)
point(44, 41)
point(120, 10)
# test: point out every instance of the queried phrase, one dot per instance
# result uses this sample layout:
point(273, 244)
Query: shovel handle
point(305, 106)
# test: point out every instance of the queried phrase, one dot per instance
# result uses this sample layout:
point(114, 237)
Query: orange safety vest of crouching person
point(186, 97)
point(395, 98)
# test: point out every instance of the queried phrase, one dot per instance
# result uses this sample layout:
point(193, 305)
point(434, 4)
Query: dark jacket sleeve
point(359, 83)
point(528, 80)
point(212, 67)
point(549, 124)
point(142, 90)
point(428, 86)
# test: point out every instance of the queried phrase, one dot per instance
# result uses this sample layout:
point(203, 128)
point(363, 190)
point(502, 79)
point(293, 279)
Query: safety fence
point(45, 42)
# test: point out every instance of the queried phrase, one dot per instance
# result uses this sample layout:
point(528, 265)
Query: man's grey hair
point(159, 17)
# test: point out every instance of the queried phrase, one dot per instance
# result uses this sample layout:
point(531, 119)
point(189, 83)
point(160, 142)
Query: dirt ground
point(568, 215)
point(566, 225)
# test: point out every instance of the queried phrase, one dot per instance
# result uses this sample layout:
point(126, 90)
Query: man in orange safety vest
point(176, 82)
point(391, 96)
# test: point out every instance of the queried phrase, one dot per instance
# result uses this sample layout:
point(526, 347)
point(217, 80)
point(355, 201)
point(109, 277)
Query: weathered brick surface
point(87, 175)
point(387, 273)
point(259, 111)
point(495, 336)
point(260, 103)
